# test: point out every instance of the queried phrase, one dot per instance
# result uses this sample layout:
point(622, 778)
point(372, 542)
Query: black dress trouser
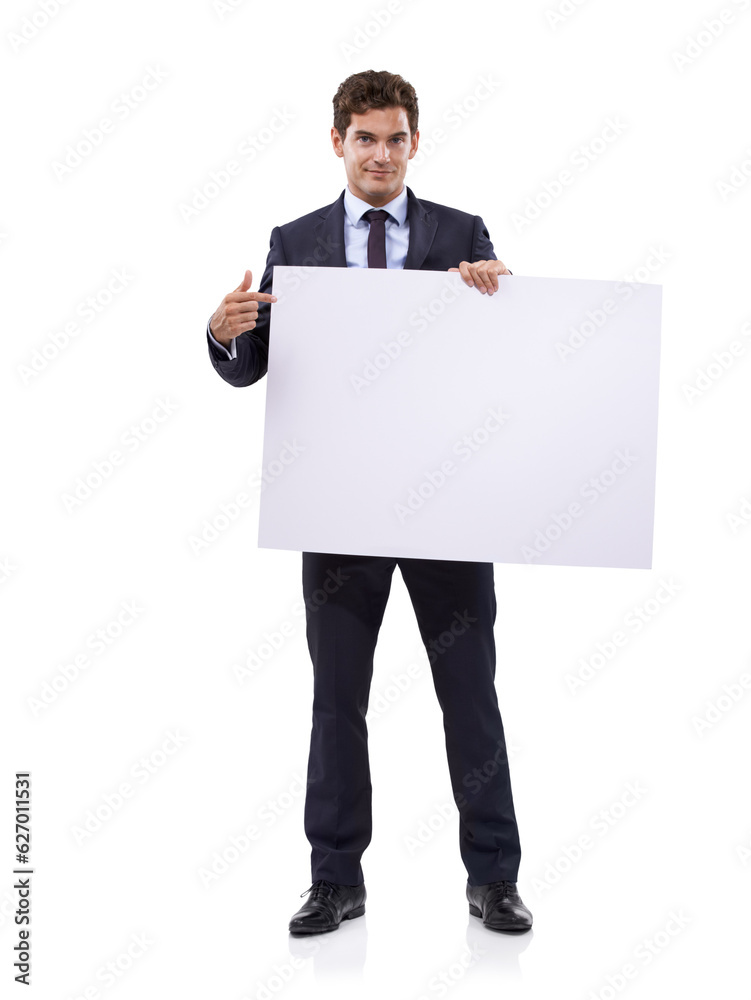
point(455, 606)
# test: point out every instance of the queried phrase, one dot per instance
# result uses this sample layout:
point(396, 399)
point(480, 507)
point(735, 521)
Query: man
point(378, 222)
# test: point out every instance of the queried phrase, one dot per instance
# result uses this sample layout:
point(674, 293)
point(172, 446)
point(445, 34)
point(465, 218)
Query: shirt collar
point(355, 207)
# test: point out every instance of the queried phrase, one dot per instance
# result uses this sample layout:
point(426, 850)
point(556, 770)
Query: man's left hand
point(483, 273)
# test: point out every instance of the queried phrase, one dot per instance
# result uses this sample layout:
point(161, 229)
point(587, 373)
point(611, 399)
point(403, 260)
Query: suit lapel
point(422, 229)
point(329, 233)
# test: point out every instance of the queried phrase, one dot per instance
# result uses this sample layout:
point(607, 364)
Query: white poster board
point(410, 415)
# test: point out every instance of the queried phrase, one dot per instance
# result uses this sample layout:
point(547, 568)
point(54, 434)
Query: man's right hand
point(237, 312)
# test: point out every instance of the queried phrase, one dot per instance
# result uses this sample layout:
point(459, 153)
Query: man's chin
point(380, 186)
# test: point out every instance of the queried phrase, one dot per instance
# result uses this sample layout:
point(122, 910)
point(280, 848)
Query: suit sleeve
point(482, 248)
point(251, 348)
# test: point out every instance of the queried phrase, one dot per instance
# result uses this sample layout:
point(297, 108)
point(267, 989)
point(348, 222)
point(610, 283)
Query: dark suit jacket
point(439, 238)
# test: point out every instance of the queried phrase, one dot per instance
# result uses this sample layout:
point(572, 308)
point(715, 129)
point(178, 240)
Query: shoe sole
point(357, 912)
point(477, 912)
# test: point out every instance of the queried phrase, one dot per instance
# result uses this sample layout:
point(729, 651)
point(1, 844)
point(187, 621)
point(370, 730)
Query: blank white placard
point(410, 415)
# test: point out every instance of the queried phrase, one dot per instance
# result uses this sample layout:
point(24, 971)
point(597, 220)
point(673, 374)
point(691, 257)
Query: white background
point(651, 194)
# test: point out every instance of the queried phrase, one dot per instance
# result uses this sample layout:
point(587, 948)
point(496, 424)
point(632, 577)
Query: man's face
point(376, 149)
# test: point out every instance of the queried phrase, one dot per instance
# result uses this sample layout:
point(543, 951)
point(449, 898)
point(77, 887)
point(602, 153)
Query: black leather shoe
point(329, 904)
point(499, 905)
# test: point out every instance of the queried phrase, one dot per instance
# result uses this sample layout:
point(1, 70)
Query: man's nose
point(381, 153)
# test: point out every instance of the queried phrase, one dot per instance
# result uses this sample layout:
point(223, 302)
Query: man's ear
point(413, 144)
point(336, 142)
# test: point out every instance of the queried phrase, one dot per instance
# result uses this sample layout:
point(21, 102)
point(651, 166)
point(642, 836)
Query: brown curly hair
point(373, 89)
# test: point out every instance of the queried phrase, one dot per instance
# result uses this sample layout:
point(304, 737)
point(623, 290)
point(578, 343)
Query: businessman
point(378, 222)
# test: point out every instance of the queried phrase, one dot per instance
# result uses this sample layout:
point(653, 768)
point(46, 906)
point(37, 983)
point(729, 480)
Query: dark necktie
point(376, 237)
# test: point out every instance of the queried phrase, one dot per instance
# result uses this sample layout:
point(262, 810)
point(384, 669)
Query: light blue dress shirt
point(356, 231)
